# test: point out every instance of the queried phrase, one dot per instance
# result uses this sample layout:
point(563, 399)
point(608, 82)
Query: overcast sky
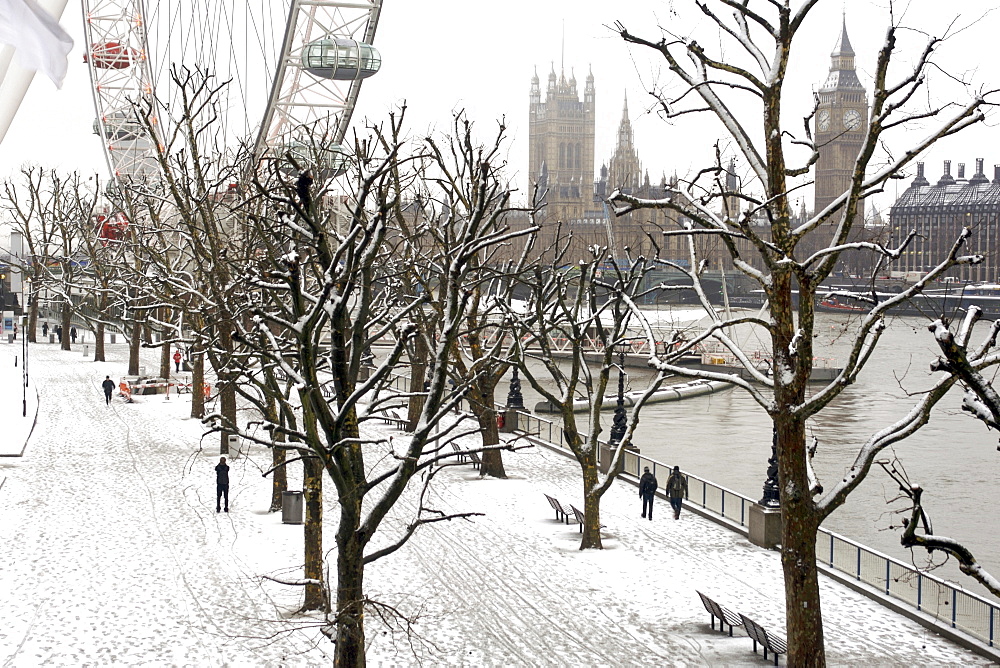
point(441, 55)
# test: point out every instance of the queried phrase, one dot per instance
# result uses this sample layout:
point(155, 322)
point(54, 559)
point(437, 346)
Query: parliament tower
point(841, 124)
point(561, 145)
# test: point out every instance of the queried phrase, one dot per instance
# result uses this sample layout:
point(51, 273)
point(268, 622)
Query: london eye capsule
point(119, 126)
point(325, 162)
point(340, 59)
point(112, 56)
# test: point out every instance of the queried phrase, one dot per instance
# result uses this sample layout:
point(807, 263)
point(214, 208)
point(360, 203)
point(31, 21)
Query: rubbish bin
point(291, 507)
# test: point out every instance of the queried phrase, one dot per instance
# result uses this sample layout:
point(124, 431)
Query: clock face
point(823, 120)
point(852, 119)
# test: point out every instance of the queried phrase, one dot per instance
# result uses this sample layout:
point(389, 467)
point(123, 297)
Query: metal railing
point(951, 604)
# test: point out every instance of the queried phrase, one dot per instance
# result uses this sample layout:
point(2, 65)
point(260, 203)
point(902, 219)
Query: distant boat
point(693, 388)
point(834, 304)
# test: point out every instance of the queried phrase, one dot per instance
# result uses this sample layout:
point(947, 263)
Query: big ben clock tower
point(841, 123)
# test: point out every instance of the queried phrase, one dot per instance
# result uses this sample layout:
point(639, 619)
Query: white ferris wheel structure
point(294, 70)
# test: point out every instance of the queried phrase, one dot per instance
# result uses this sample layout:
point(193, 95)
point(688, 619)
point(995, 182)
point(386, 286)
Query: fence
point(963, 610)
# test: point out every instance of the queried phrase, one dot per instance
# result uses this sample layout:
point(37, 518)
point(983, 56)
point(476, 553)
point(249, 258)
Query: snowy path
point(112, 553)
point(111, 547)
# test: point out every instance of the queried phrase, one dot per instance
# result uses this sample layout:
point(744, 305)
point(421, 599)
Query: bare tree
point(469, 187)
point(33, 202)
point(591, 307)
point(791, 260)
point(328, 288)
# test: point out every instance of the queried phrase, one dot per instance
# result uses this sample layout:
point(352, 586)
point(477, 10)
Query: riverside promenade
point(116, 555)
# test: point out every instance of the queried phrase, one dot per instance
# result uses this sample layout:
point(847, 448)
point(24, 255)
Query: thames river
point(726, 438)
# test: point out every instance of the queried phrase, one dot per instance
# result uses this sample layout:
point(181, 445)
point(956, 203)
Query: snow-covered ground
point(112, 552)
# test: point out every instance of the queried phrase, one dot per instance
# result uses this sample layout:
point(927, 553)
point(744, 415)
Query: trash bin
point(291, 507)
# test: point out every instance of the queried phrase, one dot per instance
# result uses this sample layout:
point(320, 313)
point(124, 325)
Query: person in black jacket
point(221, 483)
point(677, 488)
point(647, 491)
point(109, 387)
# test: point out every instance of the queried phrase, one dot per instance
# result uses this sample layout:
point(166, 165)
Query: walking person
point(58, 330)
point(221, 483)
point(109, 387)
point(177, 360)
point(72, 334)
point(677, 487)
point(45, 329)
point(647, 492)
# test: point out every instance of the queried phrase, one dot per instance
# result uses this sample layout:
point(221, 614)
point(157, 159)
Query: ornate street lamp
point(514, 397)
point(772, 493)
point(620, 420)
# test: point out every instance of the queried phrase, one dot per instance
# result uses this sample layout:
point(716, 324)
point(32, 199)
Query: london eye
point(293, 68)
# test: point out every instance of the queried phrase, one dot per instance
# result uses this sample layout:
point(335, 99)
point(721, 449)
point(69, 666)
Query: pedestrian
point(15, 331)
point(58, 330)
point(72, 334)
point(177, 360)
point(109, 387)
point(45, 329)
point(647, 491)
point(677, 487)
point(221, 483)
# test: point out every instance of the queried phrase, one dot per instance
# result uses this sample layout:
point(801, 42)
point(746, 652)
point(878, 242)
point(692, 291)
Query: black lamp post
point(514, 397)
point(772, 493)
point(620, 420)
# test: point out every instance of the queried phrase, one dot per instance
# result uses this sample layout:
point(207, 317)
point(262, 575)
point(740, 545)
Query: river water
point(726, 438)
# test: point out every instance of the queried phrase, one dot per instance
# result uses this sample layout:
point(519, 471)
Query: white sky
point(441, 55)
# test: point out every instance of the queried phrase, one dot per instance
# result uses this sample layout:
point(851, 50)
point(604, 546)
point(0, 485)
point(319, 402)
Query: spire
point(625, 109)
point(844, 47)
point(842, 74)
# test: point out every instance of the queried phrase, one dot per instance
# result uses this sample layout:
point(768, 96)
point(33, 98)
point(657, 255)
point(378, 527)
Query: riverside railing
point(950, 604)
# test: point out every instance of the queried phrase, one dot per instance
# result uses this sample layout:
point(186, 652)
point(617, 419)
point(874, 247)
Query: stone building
point(938, 212)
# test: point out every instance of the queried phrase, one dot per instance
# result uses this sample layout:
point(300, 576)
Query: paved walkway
point(113, 553)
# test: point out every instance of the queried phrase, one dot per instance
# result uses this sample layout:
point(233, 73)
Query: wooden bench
point(391, 417)
point(561, 513)
point(767, 640)
point(466, 454)
point(723, 614)
point(578, 516)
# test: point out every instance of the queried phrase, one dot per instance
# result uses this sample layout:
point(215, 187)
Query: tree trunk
point(279, 478)
point(312, 483)
point(32, 319)
point(350, 619)
point(591, 538)
point(226, 384)
point(418, 371)
point(67, 314)
point(198, 385)
point(99, 342)
point(133, 349)
point(165, 361)
point(482, 406)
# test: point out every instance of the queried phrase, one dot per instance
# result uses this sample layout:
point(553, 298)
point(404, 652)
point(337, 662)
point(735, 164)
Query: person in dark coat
point(72, 334)
point(45, 329)
point(58, 330)
point(109, 387)
point(677, 487)
point(647, 492)
point(221, 483)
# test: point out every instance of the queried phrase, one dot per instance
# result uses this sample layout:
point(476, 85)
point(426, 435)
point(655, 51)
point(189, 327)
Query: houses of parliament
point(561, 163)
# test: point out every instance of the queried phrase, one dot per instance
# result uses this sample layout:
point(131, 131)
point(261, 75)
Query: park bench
point(578, 516)
point(466, 454)
point(723, 614)
point(760, 635)
point(561, 513)
point(391, 417)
